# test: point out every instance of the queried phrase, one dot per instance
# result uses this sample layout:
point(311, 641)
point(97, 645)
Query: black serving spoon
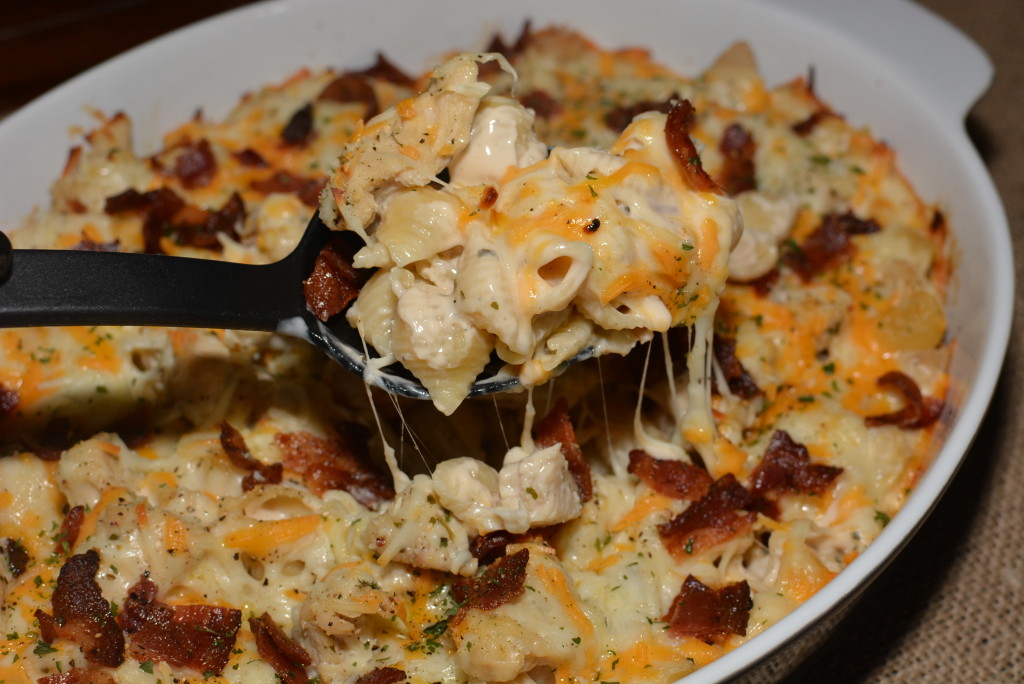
point(43, 287)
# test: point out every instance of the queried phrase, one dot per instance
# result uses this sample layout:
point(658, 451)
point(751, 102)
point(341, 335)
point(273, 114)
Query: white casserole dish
point(883, 63)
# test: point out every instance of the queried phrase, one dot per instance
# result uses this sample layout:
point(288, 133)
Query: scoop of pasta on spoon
point(533, 257)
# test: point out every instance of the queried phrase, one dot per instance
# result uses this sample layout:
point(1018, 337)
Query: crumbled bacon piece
point(165, 214)
point(499, 45)
point(677, 479)
point(237, 450)
point(195, 166)
point(541, 103)
point(67, 535)
point(196, 636)
point(340, 463)
point(79, 675)
point(307, 189)
point(618, 118)
point(709, 614)
point(299, 129)
point(716, 517)
point(383, 675)
point(804, 128)
point(763, 285)
point(489, 547)
point(81, 614)
point(334, 281)
point(17, 557)
point(199, 227)
point(9, 400)
point(288, 658)
point(677, 135)
point(918, 411)
point(352, 87)
point(250, 157)
point(501, 583)
point(556, 428)
point(740, 382)
point(489, 197)
point(737, 147)
point(384, 70)
point(786, 467)
point(829, 245)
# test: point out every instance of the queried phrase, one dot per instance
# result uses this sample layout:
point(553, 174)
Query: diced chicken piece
point(531, 490)
point(416, 530)
point(405, 146)
point(343, 597)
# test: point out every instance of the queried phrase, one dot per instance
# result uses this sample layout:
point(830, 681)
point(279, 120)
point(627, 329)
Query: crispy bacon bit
point(541, 103)
point(384, 70)
point(195, 166)
point(556, 428)
point(786, 467)
point(250, 157)
point(17, 557)
point(737, 147)
point(352, 87)
point(78, 675)
point(763, 285)
point(383, 675)
point(617, 119)
point(716, 517)
point(335, 281)
point(489, 547)
point(76, 206)
point(67, 535)
point(341, 463)
point(81, 614)
point(501, 583)
point(307, 189)
point(131, 199)
point(805, 127)
point(829, 245)
point(237, 450)
point(489, 197)
point(677, 135)
point(709, 614)
point(87, 245)
point(299, 129)
point(676, 479)
point(499, 45)
point(918, 412)
point(288, 659)
point(740, 382)
point(9, 400)
point(165, 214)
point(196, 636)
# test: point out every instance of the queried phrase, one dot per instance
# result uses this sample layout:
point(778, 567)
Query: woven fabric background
point(951, 607)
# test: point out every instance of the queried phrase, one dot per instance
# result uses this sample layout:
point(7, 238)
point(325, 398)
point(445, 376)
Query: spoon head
point(342, 343)
point(339, 340)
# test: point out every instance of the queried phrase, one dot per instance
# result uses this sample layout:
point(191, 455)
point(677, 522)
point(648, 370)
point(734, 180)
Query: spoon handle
point(41, 287)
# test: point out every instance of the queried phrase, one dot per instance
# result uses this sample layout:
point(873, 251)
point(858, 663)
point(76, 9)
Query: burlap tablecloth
point(951, 607)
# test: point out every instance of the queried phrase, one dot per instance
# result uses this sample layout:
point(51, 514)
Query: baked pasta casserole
point(760, 289)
